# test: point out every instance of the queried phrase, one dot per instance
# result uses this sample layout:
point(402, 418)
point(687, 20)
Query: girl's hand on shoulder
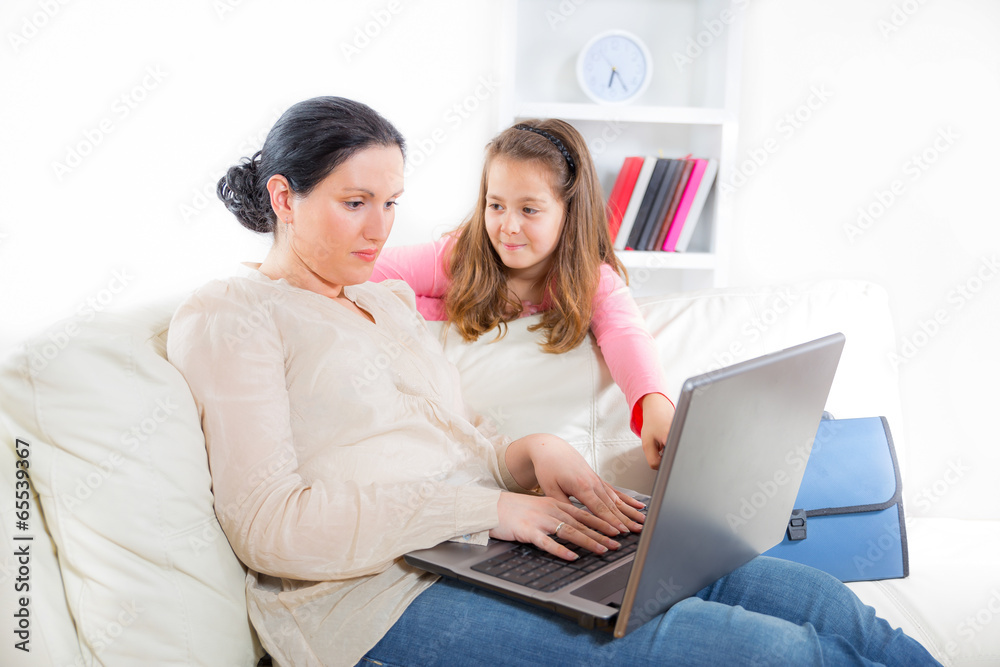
point(657, 416)
point(562, 472)
point(538, 520)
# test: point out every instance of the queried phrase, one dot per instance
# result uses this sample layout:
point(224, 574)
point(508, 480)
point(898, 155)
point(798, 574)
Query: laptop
point(723, 494)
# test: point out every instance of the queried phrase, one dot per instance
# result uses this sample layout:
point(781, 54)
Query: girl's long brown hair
point(478, 299)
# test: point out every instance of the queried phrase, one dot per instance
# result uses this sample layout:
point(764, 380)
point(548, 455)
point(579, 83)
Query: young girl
point(538, 242)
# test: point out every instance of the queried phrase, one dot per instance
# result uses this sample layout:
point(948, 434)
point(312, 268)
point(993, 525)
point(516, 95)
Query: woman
point(338, 442)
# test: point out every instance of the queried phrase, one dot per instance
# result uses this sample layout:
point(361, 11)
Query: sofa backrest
point(523, 390)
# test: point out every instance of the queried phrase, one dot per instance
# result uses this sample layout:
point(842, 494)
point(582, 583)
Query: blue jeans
point(768, 612)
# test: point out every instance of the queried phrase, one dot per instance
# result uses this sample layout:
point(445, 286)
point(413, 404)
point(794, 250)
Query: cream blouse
point(336, 445)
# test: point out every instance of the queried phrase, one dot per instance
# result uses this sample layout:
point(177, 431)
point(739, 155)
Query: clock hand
point(613, 69)
point(620, 80)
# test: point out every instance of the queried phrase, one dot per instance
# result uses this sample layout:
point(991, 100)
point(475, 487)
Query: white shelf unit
point(691, 106)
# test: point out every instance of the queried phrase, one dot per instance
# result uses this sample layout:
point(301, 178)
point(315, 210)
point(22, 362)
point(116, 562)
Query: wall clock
point(614, 67)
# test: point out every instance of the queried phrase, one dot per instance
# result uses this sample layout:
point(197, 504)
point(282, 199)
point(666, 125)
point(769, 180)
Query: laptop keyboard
point(529, 566)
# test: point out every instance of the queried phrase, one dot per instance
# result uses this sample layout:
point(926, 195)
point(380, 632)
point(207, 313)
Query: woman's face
point(338, 229)
point(524, 216)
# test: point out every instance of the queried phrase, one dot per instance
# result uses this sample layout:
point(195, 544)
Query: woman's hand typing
point(538, 520)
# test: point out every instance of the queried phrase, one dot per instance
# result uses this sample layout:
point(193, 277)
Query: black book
point(648, 202)
point(660, 205)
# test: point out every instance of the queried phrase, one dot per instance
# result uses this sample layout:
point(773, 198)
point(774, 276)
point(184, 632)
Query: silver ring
point(561, 524)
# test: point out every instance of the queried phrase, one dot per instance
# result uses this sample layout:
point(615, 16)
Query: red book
point(621, 193)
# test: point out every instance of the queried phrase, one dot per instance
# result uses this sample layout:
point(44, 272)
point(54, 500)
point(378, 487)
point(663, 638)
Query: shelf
point(625, 113)
point(547, 36)
point(636, 259)
point(690, 110)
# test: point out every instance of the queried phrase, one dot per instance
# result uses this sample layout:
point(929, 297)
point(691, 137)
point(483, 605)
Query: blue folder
point(849, 518)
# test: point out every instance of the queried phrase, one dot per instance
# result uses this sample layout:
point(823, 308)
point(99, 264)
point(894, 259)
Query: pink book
point(670, 243)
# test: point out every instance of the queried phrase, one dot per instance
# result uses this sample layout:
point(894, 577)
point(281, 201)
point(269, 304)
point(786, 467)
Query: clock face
point(614, 66)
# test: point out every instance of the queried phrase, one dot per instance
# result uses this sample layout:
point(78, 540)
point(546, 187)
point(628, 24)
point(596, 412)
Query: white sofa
point(128, 565)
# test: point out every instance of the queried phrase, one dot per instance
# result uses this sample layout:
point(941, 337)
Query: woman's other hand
point(560, 472)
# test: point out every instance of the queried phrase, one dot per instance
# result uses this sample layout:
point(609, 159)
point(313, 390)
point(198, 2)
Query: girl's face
point(338, 229)
point(524, 216)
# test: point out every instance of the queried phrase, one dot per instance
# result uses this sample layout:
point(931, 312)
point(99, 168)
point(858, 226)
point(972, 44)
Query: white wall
point(904, 95)
point(203, 80)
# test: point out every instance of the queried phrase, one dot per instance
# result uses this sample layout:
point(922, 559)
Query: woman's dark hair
point(310, 140)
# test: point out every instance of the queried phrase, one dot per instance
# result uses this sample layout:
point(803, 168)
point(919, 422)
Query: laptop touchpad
point(607, 589)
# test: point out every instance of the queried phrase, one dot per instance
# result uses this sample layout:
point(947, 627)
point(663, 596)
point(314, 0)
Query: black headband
point(554, 140)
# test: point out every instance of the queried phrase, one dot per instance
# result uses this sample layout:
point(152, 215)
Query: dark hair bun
point(309, 141)
point(241, 192)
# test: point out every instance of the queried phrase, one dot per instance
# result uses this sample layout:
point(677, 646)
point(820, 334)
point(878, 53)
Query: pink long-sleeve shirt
point(617, 324)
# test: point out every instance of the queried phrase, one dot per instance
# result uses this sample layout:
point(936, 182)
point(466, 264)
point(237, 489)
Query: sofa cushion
point(119, 464)
point(521, 389)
